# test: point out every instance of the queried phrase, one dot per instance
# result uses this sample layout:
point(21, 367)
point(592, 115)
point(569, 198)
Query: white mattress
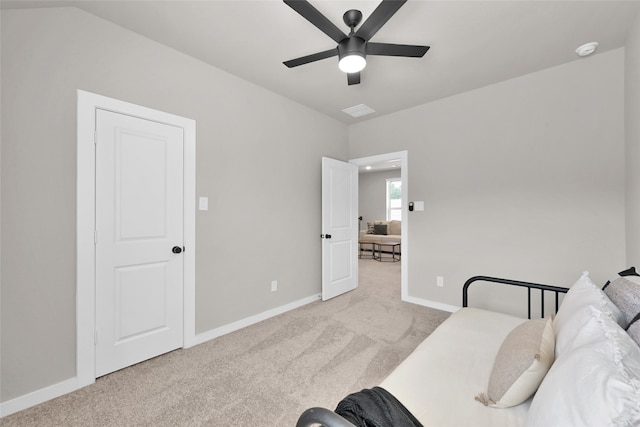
point(439, 380)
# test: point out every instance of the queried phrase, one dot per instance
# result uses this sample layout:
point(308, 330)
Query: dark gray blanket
point(375, 407)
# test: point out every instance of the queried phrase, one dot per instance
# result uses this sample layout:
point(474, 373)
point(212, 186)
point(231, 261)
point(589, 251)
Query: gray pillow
point(631, 271)
point(625, 294)
point(523, 360)
point(380, 229)
point(369, 228)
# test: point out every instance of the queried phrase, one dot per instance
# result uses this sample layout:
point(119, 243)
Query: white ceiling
point(473, 43)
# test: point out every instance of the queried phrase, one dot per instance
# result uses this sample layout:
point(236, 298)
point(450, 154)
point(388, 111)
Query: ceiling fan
point(352, 49)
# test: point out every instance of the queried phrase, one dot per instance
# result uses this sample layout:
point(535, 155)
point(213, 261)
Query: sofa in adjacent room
point(381, 232)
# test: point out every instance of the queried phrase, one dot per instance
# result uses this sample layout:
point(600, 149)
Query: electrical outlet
point(440, 281)
point(274, 285)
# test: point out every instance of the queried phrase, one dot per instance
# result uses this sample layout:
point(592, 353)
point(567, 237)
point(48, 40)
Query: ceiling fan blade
point(353, 78)
point(311, 58)
point(379, 17)
point(387, 49)
point(314, 16)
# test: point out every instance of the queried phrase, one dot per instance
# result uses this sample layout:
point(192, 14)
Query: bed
point(578, 366)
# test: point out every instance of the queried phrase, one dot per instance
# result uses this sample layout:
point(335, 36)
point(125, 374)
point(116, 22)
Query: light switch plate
point(204, 204)
point(418, 206)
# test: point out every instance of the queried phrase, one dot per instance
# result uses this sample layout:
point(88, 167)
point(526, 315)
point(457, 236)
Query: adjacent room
point(380, 203)
point(506, 137)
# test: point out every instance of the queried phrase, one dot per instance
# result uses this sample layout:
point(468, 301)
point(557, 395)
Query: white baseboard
point(432, 304)
point(243, 323)
point(40, 396)
point(72, 384)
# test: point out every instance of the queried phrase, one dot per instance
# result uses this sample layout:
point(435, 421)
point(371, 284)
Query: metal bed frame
point(529, 285)
point(327, 418)
point(322, 416)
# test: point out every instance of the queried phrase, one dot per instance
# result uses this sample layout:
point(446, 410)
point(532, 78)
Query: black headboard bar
point(528, 285)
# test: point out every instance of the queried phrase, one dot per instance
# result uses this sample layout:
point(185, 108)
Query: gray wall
point(521, 179)
point(255, 150)
point(372, 195)
point(632, 126)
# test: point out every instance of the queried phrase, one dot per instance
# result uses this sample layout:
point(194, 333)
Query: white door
point(139, 240)
point(339, 227)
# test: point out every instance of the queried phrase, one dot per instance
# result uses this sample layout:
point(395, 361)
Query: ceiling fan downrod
point(352, 18)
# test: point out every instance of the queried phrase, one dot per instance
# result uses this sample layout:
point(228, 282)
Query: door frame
point(404, 230)
point(88, 103)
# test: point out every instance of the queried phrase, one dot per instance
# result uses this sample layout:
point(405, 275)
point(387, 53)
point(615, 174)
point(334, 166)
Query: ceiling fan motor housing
point(353, 45)
point(352, 54)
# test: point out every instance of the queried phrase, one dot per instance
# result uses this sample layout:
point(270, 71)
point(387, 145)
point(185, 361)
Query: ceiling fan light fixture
point(352, 63)
point(351, 53)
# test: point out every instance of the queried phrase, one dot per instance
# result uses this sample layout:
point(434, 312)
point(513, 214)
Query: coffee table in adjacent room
point(395, 256)
point(373, 250)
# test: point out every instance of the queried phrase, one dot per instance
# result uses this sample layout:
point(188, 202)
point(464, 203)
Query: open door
point(339, 227)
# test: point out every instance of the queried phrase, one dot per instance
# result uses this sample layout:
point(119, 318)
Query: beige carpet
point(263, 375)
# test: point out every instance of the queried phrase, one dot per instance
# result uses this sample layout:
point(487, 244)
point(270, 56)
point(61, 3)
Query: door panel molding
point(88, 104)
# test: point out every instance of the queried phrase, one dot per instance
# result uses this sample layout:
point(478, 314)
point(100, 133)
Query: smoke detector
point(587, 49)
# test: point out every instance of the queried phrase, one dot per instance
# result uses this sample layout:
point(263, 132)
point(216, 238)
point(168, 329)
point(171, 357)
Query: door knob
point(176, 249)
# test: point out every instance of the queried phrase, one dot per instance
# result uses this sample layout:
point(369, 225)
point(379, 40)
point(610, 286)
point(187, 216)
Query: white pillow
point(574, 311)
point(594, 382)
point(524, 358)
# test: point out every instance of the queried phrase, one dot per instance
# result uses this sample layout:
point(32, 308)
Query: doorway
point(89, 106)
point(399, 158)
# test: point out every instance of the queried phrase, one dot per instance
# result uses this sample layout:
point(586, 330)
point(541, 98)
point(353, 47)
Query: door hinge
point(95, 137)
point(95, 237)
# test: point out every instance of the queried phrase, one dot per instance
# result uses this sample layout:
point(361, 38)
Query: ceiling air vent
point(359, 110)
